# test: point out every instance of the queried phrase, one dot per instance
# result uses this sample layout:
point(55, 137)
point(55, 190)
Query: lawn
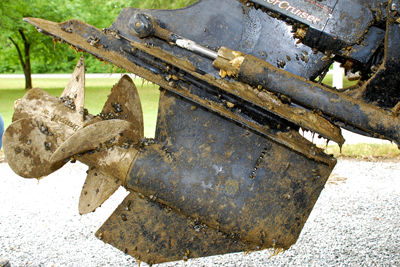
point(363, 150)
point(96, 94)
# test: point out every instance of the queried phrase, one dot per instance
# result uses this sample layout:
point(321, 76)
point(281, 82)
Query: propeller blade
point(95, 136)
point(97, 189)
point(124, 103)
point(41, 123)
point(75, 88)
point(28, 148)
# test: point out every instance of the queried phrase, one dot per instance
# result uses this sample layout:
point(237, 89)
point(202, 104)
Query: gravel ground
point(354, 223)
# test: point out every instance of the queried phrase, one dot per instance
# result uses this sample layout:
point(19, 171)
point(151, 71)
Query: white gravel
point(354, 223)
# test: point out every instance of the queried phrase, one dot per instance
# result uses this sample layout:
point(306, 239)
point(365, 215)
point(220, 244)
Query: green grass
point(96, 94)
point(365, 150)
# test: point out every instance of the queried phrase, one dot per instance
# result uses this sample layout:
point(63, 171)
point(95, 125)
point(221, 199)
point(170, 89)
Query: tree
point(23, 48)
point(27, 42)
point(24, 58)
point(9, 23)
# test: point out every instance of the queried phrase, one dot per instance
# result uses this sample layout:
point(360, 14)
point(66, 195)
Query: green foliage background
point(46, 59)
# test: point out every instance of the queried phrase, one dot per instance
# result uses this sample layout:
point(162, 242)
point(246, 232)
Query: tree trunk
point(24, 59)
point(27, 71)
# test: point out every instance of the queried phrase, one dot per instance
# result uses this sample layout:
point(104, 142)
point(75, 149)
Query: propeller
point(47, 132)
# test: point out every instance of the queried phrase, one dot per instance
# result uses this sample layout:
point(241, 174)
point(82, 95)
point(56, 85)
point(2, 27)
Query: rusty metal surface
point(47, 132)
point(41, 123)
point(290, 139)
point(247, 182)
point(243, 28)
point(48, 109)
point(359, 114)
point(230, 178)
point(110, 133)
point(152, 233)
point(122, 59)
point(75, 88)
point(64, 111)
point(262, 98)
point(214, 160)
point(114, 161)
point(98, 187)
point(228, 170)
point(121, 120)
point(382, 89)
point(124, 103)
point(28, 149)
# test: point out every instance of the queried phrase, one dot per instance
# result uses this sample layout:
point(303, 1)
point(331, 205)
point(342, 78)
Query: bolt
point(142, 25)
